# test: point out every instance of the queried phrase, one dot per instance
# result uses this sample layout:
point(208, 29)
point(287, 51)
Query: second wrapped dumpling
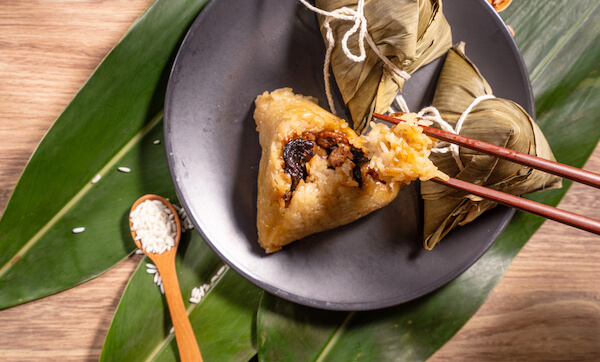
point(499, 121)
point(316, 173)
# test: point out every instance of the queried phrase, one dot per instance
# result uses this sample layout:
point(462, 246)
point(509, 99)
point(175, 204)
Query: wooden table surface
point(547, 306)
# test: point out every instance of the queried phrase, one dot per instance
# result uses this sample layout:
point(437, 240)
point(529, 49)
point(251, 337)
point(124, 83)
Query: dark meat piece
point(359, 159)
point(328, 139)
point(358, 156)
point(287, 197)
point(357, 175)
point(296, 153)
point(333, 145)
point(339, 155)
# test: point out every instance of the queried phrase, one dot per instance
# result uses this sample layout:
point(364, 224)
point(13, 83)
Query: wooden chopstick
point(534, 207)
point(517, 202)
point(555, 168)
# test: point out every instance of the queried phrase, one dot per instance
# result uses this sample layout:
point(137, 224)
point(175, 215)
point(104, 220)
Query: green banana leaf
point(112, 122)
point(223, 320)
point(116, 116)
point(562, 60)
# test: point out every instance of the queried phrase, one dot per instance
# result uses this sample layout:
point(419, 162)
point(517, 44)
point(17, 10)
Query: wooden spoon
point(165, 263)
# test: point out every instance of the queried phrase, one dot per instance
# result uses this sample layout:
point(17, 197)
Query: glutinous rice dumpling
point(316, 173)
point(494, 120)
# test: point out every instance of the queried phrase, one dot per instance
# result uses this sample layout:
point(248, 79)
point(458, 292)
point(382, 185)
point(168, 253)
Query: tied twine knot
point(360, 24)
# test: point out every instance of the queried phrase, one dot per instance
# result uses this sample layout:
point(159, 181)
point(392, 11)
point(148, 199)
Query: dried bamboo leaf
point(498, 121)
point(409, 33)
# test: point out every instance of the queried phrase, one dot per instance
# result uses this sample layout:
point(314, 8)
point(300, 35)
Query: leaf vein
point(110, 164)
point(561, 43)
point(336, 336)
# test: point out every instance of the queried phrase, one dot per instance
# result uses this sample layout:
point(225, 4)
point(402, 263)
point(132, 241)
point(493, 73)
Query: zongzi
point(408, 33)
point(316, 173)
point(493, 120)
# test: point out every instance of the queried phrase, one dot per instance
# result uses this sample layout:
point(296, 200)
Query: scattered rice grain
point(156, 142)
point(199, 293)
point(96, 178)
point(124, 169)
point(195, 297)
point(78, 230)
point(186, 224)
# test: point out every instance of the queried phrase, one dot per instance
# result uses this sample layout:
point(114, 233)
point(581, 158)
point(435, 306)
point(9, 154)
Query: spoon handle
point(184, 334)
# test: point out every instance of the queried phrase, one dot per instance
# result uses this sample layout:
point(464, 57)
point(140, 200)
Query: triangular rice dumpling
point(316, 173)
point(410, 33)
point(498, 121)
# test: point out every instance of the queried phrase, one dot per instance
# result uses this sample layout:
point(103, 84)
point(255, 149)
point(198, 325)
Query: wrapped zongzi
point(493, 120)
point(409, 33)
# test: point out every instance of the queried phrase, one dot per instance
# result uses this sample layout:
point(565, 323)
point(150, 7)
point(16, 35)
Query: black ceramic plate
point(236, 50)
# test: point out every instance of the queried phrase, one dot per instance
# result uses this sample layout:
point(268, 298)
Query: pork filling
point(330, 145)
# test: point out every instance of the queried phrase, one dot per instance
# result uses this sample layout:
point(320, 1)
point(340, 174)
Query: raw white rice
point(154, 226)
point(78, 230)
point(199, 292)
point(186, 223)
point(156, 142)
point(96, 178)
point(124, 169)
point(157, 279)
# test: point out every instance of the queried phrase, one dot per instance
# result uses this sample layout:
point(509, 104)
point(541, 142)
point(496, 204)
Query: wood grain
point(547, 306)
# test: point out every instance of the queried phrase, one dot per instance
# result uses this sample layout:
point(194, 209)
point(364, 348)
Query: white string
point(464, 115)
point(360, 24)
point(401, 103)
point(431, 114)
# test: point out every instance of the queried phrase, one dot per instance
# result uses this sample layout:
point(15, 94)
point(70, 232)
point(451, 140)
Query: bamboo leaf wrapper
point(498, 121)
point(409, 33)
